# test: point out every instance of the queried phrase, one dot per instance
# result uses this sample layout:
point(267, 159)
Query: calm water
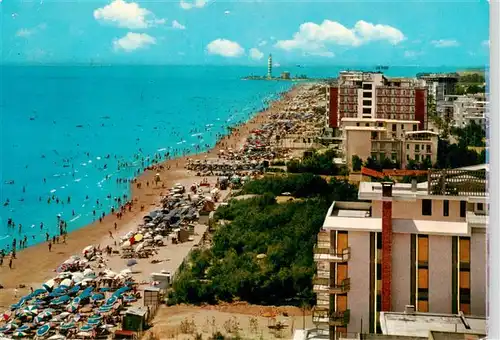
point(60, 123)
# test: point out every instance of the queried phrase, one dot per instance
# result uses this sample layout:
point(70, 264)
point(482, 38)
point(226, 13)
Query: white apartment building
point(462, 110)
point(397, 140)
point(421, 245)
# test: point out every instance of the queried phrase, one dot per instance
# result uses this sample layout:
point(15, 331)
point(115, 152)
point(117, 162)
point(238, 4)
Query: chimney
point(414, 185)
point(409, 309)
point(386, 246)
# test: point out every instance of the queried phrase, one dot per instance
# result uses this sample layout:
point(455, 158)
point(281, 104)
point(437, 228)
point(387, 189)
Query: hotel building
point(373, 96)
point(420, 245)
point(398, 140)
point(463, 110)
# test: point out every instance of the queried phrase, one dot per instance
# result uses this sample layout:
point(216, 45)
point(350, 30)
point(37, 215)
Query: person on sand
point(50, 246)
point(111, 234)
point(10, 263)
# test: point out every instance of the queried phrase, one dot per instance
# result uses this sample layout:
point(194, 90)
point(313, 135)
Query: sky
point(349, 32)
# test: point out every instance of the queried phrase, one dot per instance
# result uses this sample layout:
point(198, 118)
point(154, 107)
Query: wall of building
point(413, 210)
point(358, 298)
point(357, 143)
point(440, 271)
point(478, 267)
point(421, 107)
point(333, 107)
point(401, 266)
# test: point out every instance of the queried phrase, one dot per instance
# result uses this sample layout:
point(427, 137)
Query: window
point(394, 127)
point(417, 158)
point(426, 207)
point(463, 208)
point(393, 156)
point(480, 207)
point(446, 208)
point(407, 146)
point(428, 148)
point(402, 126)
point(367, 102)
point(367, 86)
point(414, 127)
point(367, 124)
point(379, 271)
point(374, 135)
point(367, 110)
point(367, 94)
point(407, 157)
point(380, 124)
point(357, 124)
point(417, 147)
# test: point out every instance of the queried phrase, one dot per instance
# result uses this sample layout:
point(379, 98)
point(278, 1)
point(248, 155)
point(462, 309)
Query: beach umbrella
point(86, 328)
point(25, 327)
point(129, 298)
point(45, 314)
point(38, 292)
point(93, 322)
point(126, 244)
point(74, 290)
point(8, 327)
point(138, 237)
point(76, 301)
point(111, 300)
point(104, 309)
point(43, 330)
point(131, 262)
point(66, 283)
point(57, 337)
point(67, 325)
point(64, 314)
point(97, 297)
point(104, 289)
point(31, 309)
point(72, 308)
point(19, 334)
point(78, 277)
point(49, 285)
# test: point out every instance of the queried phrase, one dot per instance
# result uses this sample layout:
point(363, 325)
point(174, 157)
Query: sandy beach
point(36, 264)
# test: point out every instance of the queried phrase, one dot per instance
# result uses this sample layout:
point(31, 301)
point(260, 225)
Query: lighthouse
point(270, 66)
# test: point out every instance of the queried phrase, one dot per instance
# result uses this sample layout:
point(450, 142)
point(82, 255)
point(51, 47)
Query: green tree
point(357, 163)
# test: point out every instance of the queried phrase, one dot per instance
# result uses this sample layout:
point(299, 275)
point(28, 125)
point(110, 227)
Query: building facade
point(463, 110)
point(440, 85)
point(420, 245)
point(397, 140)
point(373, 96)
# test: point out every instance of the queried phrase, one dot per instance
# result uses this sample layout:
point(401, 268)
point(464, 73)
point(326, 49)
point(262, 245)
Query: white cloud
point(127, 15)
point(178, 26)
point(227, 12)
point(27, 32)
point(193, 4)
point(445, 43)
point(225, 48)
point(312, 37)
point(133, 41)
point(256, 54)
point(327, 54)
point(262, 43)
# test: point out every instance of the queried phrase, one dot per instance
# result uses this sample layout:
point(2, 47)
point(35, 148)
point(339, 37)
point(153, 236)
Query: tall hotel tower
point(270, 66)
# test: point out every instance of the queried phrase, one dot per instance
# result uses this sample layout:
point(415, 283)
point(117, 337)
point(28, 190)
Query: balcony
point(323, 315)
point(322, 285)
point(332, 255)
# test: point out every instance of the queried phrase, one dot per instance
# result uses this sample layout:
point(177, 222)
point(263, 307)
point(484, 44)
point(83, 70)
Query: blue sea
point(59, 124)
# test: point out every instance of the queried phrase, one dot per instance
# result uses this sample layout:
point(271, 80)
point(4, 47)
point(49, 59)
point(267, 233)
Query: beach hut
point(135, 319)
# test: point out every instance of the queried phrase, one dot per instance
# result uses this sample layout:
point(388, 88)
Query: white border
point(493, 279)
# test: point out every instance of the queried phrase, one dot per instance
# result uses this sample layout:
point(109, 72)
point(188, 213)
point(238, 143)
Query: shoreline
point(36, 264)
